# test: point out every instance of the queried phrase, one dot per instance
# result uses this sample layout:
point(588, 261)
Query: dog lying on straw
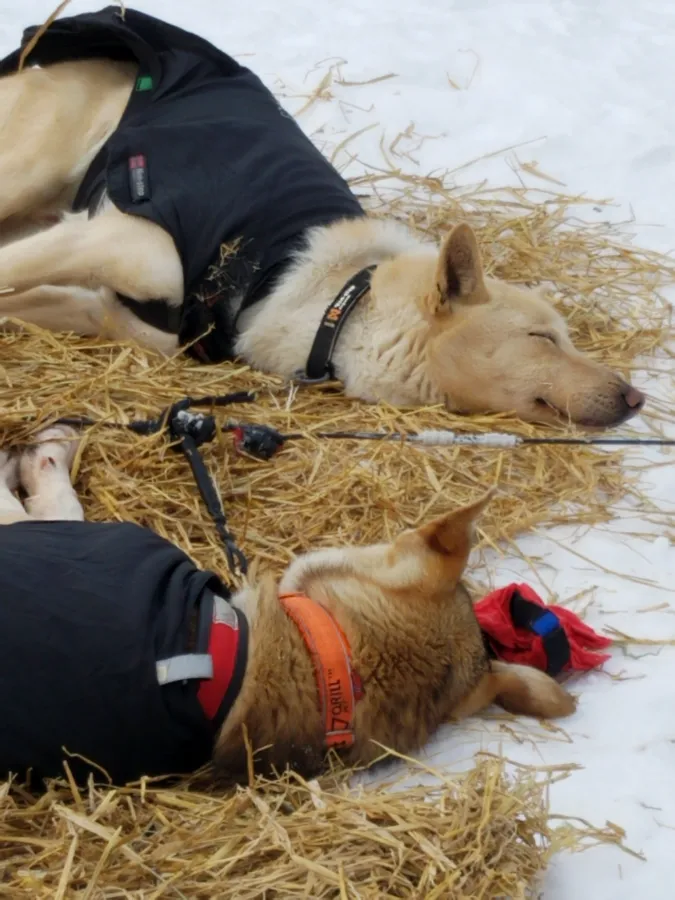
point(118, 653)
point(205, 218)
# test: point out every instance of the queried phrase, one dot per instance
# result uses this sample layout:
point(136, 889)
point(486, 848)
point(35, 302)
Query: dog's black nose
point(633, 398)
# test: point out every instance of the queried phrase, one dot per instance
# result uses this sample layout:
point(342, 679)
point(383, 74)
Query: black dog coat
point(87, 612)
point(206, 151)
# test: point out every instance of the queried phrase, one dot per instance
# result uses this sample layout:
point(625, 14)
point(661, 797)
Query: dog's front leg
point(85, 312)
point(127, 254)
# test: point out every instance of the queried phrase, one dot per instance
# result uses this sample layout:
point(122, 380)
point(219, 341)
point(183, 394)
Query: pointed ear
point(451, 535)
point(459, 275)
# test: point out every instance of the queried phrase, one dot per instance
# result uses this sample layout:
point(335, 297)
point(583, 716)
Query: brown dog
point(430, 328)
point(116, 649)
point(415, 644)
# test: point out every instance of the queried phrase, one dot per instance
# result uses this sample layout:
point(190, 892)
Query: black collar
point(319, 366)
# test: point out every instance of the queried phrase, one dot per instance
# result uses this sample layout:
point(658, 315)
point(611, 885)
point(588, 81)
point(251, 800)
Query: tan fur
point(415, 642)
point(434, 329)
point(521, 690)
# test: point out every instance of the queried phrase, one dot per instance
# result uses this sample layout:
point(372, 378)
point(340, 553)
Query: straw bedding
point(319, 492)
point(486, 835)
point(482, 836)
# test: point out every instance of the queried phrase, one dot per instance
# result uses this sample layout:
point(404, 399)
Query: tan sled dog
point(430, 328)
point(356, 647)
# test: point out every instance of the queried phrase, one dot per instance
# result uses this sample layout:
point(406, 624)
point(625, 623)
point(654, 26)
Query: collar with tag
point(319, 366)
point(338, 685)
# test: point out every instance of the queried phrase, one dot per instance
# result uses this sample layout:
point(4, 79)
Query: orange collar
point(338, 685)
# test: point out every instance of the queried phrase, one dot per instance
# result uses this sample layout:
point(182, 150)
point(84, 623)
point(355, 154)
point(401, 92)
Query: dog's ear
point(451, 535)
point(459, 274)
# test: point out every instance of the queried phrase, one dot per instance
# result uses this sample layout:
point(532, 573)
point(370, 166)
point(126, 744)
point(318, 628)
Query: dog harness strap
point(184, 668)
point(228, 650)
point(221, 669)
point(157, 313)
point(331, 655)
point(546, 625)
point(319, 366)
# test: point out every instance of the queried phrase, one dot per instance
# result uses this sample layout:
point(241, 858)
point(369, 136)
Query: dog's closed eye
point(545, 335)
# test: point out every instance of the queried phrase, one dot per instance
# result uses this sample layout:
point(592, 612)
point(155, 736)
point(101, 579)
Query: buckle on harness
point(300, 376)
point(260, 441)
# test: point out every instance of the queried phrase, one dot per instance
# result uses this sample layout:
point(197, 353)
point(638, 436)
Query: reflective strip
point(224, 614)
point(184, 668)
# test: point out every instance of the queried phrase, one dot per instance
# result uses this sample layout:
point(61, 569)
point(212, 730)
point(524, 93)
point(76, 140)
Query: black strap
point(190, 430)
point(319, 366)
point(152, 426)
point(157, 313)
point(544, 623)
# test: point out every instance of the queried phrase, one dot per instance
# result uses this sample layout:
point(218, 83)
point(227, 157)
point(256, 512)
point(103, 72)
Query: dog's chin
point(602, 424)
point(546, 413)
point(543, 412)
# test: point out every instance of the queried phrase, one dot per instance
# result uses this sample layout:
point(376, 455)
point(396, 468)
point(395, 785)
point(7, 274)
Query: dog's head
point(495, 347)
point(415, 641)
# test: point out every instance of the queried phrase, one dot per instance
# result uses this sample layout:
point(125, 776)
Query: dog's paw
point(53, 448)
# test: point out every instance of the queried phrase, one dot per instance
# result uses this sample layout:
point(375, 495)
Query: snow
point(584, 88)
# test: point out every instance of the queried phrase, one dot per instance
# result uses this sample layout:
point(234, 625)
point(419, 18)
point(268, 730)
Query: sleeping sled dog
point(119, 654)
point(188, 209)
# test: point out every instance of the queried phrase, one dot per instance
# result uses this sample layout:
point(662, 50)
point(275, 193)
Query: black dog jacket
point(206, 151)
point(115, 649)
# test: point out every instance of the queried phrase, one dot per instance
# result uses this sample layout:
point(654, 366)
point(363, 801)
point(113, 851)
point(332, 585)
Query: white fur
point(373, 352)
point(9, 481)
point(43, 470)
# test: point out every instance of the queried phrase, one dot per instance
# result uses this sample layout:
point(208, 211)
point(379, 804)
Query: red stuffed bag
point(519, 627)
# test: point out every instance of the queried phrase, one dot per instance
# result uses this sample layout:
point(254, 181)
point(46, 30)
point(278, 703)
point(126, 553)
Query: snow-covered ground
point(584, 88)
